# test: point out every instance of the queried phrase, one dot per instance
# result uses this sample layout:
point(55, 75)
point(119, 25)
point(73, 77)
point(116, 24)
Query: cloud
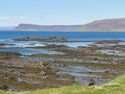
point(13, 17)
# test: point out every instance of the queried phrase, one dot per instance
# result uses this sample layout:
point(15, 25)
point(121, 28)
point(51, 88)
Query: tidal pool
point(41, 44)
point(29, 51)
point(112, 52)
point(81, 74)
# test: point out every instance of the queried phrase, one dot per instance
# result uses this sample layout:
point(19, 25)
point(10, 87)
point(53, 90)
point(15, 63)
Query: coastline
point(101, 61)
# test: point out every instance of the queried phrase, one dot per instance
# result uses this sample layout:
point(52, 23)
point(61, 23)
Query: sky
point(59, 12)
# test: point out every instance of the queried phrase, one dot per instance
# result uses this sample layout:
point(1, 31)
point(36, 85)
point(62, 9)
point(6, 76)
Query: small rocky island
point(48, 39)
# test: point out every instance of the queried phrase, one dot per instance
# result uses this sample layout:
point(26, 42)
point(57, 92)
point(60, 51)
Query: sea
point(67, 35)
point(26, 47)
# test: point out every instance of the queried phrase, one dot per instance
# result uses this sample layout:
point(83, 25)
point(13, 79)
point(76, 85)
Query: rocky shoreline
point(77, 66)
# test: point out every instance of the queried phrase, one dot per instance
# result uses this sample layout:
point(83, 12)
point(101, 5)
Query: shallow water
point(29, 51)
point(41, 44)
point(81, 76)
point(109, 44)
point(112, 52)
point(79, 69)
point(27, 81)
point(22, 46)
point(71, 44)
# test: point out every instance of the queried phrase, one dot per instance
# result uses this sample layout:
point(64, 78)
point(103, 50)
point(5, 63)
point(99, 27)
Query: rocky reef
point(101, 61)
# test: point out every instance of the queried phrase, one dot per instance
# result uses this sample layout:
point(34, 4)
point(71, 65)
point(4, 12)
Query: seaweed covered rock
point(91, 82)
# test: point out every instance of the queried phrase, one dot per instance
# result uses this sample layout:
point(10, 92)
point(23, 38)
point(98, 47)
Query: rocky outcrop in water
point(48, 39)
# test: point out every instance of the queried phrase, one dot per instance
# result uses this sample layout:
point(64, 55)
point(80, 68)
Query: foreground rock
point(76, 66)
point(24, 75)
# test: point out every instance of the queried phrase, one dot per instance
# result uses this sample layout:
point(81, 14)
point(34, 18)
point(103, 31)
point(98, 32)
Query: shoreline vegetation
point(114, 87)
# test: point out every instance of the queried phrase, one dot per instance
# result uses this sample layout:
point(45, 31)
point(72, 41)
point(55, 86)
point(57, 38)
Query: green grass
point(116, 86)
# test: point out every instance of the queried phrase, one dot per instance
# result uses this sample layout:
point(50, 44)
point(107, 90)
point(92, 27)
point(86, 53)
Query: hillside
point(105, 25)
point(99, 25)
point(31, 27)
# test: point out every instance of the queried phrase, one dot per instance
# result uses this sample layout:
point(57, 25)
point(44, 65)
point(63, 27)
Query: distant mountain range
point(31, 27)
point(112, 25)
point(105, 25)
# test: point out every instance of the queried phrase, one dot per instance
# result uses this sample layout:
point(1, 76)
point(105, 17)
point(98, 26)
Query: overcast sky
point(58, 12)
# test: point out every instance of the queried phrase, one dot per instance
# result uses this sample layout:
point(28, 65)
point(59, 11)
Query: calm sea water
point(67, 35)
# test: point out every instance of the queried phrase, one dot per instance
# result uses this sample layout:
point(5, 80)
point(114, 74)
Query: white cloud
point(4, 17)
point(13, 17)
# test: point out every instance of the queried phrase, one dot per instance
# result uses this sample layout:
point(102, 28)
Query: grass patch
point(116, 86)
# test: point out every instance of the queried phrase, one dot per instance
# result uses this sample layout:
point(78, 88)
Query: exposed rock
point(91, 82)
point(42, 73)
point(49, 39)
